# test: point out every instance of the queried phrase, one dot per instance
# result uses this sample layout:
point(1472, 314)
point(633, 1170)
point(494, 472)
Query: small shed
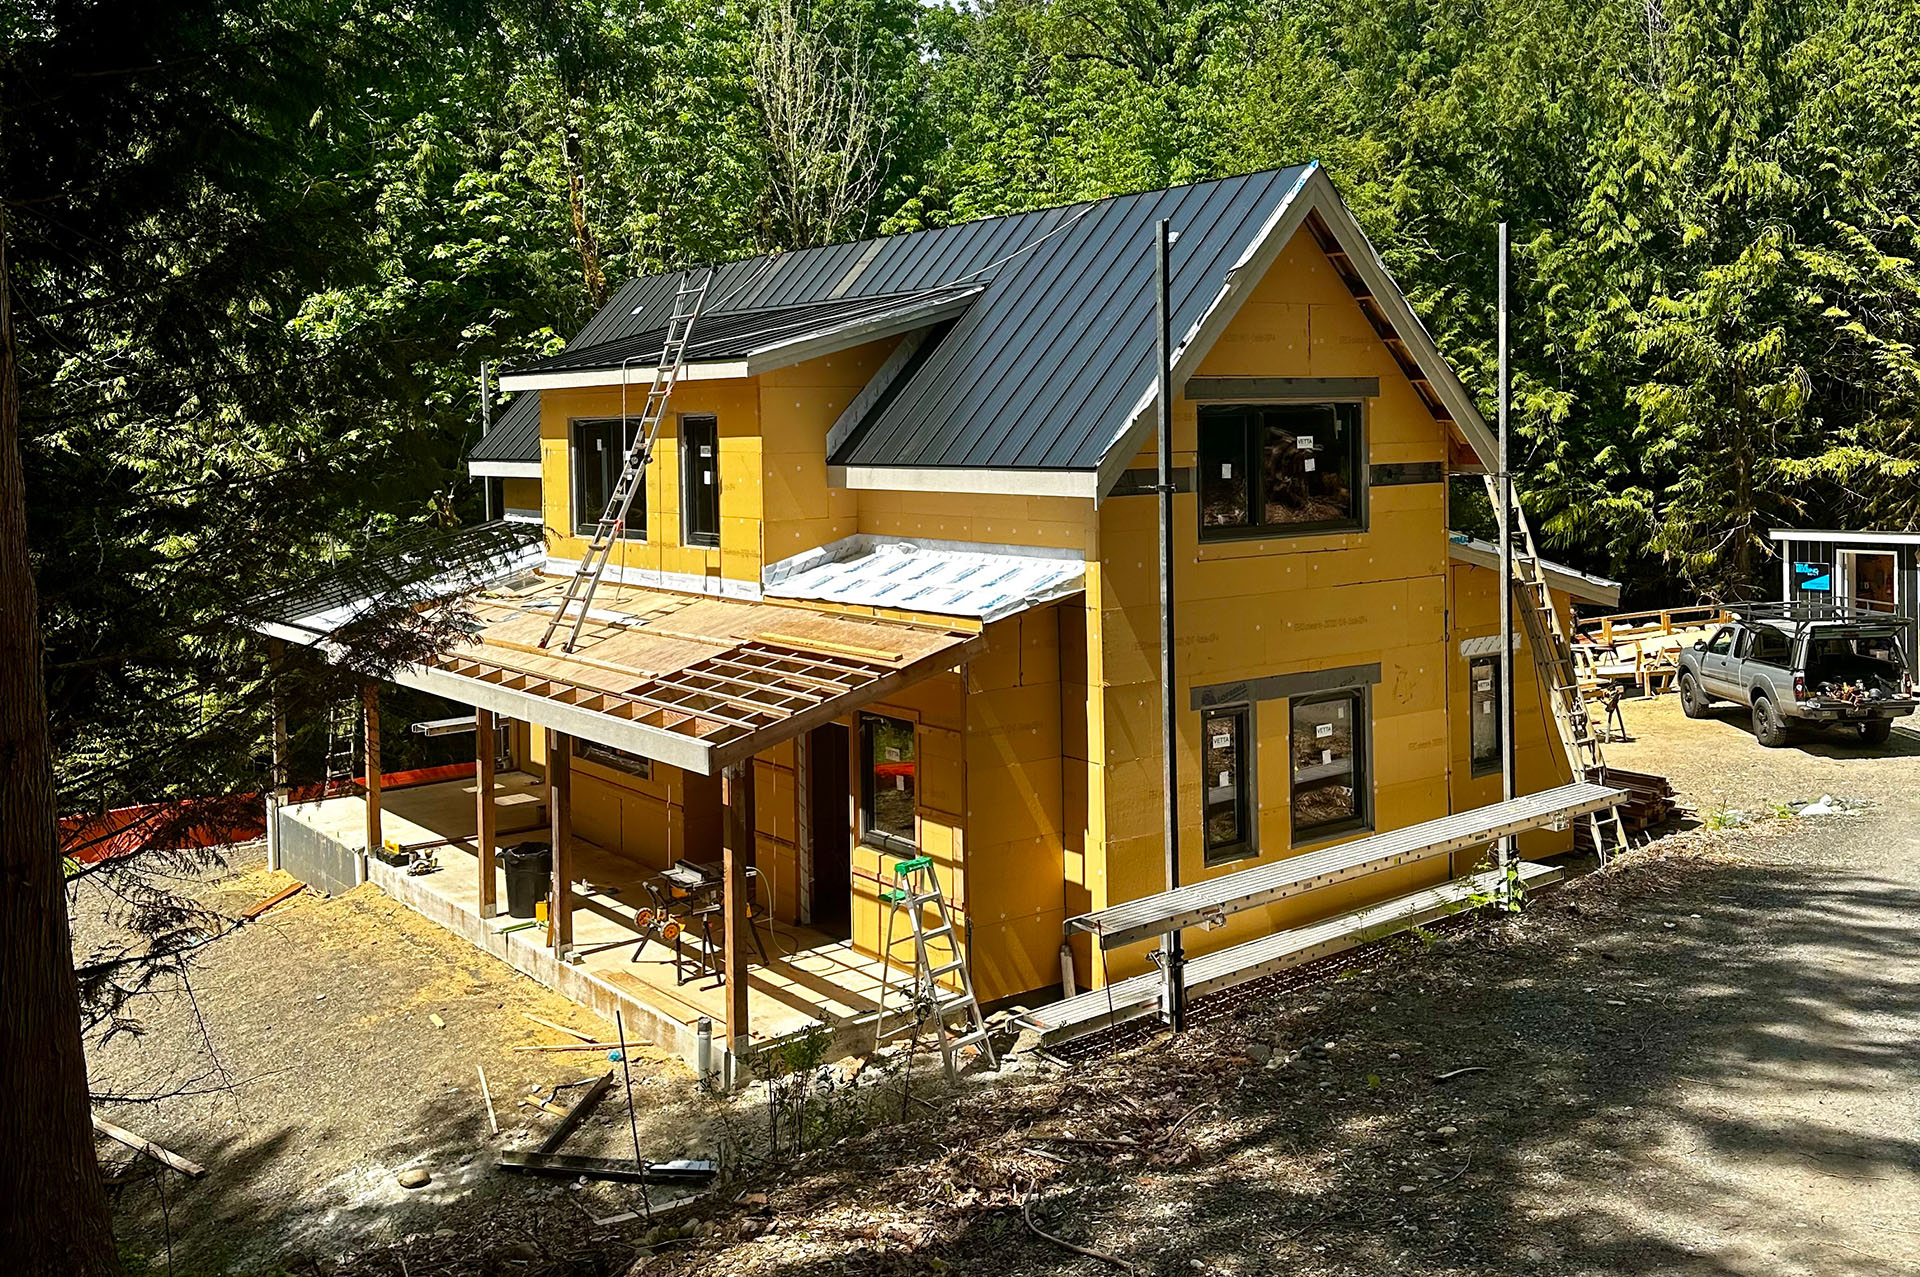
point(1873, 571)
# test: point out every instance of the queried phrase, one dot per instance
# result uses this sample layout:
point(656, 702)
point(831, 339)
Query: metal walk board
point(687, 303)
point(1204, 902)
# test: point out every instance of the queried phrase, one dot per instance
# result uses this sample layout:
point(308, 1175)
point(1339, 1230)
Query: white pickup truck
point(1804, 665)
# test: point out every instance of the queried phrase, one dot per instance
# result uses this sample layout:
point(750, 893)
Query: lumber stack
point(1650, 802)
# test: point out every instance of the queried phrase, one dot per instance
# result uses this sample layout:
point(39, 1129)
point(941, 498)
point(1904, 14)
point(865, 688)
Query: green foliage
point(259, 247)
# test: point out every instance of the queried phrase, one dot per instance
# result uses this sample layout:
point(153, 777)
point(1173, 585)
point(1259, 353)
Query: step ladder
point(343, 739)
point(1559, 677)
point(936, 955)
point(687, 304)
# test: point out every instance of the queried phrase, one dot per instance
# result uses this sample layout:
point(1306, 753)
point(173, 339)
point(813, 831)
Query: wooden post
point(483, 753)
point(736, 853)
point(560, 804)
point(370, 698)
point(276, 654)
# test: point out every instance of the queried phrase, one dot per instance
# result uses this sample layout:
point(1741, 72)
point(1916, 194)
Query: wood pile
point(1651, 801)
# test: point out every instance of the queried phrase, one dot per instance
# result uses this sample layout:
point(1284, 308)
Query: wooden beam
point(370, 699)
point(737, 853)
point(560, 805)
point(483, 755)
point(165, 1157)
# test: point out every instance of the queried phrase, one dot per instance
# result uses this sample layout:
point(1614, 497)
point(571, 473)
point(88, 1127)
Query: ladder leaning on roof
point(1553, 657)
point(687, 303)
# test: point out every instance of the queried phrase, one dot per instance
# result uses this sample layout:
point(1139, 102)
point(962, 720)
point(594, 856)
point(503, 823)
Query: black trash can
point(529, 867)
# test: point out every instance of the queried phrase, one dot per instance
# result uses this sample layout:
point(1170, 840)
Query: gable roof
point(1030, 362)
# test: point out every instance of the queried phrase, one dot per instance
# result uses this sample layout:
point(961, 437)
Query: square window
point(600, 447)
point(887, 786)
point(1225, 766)
point(1328, 765)
point(1484, 720)
point(1282, 468)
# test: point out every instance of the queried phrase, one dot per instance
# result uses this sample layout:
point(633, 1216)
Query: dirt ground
point(301, 1068)
point(1698, 1061)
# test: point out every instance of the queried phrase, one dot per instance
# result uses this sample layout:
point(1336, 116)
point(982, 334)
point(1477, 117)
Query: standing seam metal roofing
point(515, 435)
point(1040, 368)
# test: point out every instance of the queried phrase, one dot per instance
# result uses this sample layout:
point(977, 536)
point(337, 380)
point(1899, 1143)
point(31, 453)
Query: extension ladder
point(925, 997)
point(687, 302)
point(1553, 657)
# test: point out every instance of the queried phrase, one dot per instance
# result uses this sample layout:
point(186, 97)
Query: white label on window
point(1222, 740)
point(900, 782)
point(1225, 780)
point(706, 450)
point(1226, 469)
point(893, 755)
point(1323, 730)
point(1339, 711)
point(1304, 443)
point(706, 477)
point(1326, 755)
point(1307, 465)
point(1486, 707)
point(1483, 685)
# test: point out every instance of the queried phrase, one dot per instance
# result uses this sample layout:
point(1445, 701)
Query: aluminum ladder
point(1553, 657)
point(925, 998)
point(687, 304)
point(343, 741)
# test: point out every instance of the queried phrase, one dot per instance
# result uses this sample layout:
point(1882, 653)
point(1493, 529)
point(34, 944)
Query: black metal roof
point(1040, 370)
point(515, 435)
point(735, 334)
point(393, 571)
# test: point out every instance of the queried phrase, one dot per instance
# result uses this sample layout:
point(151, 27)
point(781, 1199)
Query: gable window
point(1328, 765)
point(1484, 720)
point(1226, 742)
point(1269, 469)
point(600, 447)
point(887, 783)
point(700, 480)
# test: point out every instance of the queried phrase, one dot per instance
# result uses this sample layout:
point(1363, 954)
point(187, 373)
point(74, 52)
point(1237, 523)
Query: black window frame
point(1770, 645)
point(881, 839)
point(690, 486)
point(1254, 422)
point(619, 760)
point(586, 515)
point(1362, 772)
point(1476, 764)
point(1246, 842)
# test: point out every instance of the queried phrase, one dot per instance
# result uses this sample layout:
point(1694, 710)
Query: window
point(1722, 641)
point(599, 454)
point(886, 783)
point(1771, 646)
point(1279, 468)
point(1225, 736)
point(1328, 765)
point(618, 759)
point(1484, 720)
point(700, 480)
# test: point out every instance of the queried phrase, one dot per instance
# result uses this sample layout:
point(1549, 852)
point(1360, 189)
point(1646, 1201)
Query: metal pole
point(486, 424)
point(1503, 484)
point(1173, 952)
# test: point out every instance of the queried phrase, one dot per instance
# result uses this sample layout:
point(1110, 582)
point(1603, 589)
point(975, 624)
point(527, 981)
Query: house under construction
point(827, 584)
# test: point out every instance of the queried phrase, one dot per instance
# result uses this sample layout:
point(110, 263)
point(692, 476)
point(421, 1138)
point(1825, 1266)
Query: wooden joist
point(165, 1157)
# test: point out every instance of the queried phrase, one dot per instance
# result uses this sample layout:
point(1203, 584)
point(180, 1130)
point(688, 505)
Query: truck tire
point(1693, 702)
point(1875, 731)
point(1767, 727)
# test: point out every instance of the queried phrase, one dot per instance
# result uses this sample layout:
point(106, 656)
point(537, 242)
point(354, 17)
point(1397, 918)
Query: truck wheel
point(1875, 731)
point(1767, 728)
point(1693, 701)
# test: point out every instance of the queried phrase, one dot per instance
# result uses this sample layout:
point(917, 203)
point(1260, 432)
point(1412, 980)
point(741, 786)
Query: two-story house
point(890, 590)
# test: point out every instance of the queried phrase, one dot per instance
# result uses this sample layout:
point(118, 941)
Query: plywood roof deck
point(729, 676)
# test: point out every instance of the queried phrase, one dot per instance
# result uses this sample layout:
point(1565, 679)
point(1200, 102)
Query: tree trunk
point(53, 1209)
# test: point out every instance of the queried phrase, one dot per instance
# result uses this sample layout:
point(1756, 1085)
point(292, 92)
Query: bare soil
point(1697, 1061)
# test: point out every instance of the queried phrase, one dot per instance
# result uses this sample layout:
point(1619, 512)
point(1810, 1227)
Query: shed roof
point(1571, 581)
point(514, 438)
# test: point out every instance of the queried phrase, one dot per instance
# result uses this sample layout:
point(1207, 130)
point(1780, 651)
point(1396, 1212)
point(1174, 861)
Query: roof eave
point(504, 469)
point(972, 480)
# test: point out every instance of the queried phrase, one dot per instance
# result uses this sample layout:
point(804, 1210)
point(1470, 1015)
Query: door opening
point(1869, 579)
point(830, 822)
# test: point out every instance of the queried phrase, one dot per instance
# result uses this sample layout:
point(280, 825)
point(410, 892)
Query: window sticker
point(1226, 778)
point(1226, 469)
point(1307, 465)
point(1323, 730)
point(1326, 755)
point(1304, 443)
point(1221, 740)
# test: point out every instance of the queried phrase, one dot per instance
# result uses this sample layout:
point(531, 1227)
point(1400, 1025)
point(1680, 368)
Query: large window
point(1226, 742)
point(600, 447)
point(1328, 765)
point(1279, 468)
point(1484, 719)
point(700, 480)
point(886, 783)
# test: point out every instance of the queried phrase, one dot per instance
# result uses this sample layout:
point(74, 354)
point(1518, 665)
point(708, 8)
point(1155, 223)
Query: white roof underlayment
point(944, 578)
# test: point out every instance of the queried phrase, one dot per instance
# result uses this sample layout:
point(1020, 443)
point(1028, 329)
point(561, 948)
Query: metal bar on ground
point(1215, 898)
point(561, 1166)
